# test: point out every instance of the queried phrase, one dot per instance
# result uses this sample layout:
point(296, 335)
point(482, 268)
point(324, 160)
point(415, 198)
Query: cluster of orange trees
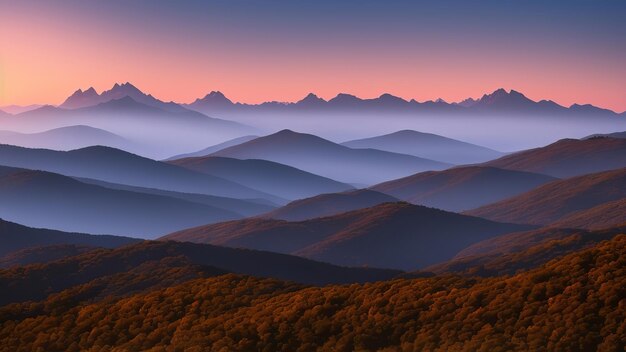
point(575, 303)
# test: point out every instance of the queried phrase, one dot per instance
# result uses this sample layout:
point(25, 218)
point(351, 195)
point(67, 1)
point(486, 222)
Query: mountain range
point(498, 101)
point(391, 235)
point(216, 101)
point(89, 97)
point(325, 158)
point(170, 130)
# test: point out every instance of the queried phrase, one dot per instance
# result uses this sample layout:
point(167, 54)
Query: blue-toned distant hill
point(67, 138)
point(117, 166)
point(428, 145)
point(267, 176)
point(323, 157)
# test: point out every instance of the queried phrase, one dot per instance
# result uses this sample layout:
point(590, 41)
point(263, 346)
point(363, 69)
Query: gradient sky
point(253, 51)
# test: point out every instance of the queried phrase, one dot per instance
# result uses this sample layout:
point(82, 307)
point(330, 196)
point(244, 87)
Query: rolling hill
point(462, 188)
point(43, 199)
point(556, 200)
point(267, 176)
point(568, 157)
point(599, 217)
point(329, 204)
point(245, 207)
point(15, 237)
point(508, 254)
point(42, 254)
point(117, 166)
point(429, 146)
point(149, 265)
point(66, 138)
point(570, 304)
point(322, 157)
point(390, 235)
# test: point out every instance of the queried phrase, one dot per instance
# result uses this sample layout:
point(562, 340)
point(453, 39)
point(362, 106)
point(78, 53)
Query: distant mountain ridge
point(389, 235)
point(44, 199)
point(325, 158)
point(429, 146)
point(267, 176)
point(66, 138)
point(498, 101)
point(117, 166)
point(216, 101)
point(89, 97)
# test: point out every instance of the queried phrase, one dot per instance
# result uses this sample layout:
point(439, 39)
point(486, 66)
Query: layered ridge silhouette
point(44, 199)
point(557, 200)
point(427, 145)
point(267, 176)
point(322, 157)
point(329, 204)
point(462, 188)
point(390, 235)
point(568, 157)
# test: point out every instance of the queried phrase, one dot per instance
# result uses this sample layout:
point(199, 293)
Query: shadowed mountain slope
point(43, 199)
point(599, 217)
point(329, 204)
point(150, 265)
point(568, 157)
point(508, 254)
point(42, 254)
point(462, 188)
point(554, 201)
point(390, 235)
point(267, 176)
point(15, 237)
point(117, 166)
point(245, 207)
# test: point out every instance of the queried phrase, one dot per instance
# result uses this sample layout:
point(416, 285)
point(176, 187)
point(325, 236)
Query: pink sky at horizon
point(48, 59)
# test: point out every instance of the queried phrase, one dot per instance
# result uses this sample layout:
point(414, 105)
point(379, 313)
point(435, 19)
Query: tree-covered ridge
point(575, 303)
